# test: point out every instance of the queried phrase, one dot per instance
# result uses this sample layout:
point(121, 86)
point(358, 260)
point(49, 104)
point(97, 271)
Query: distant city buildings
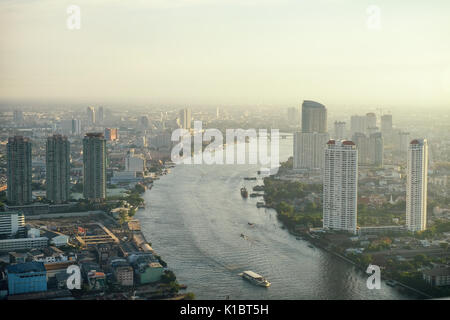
point(18, 117)
point(101, 115)
point(293, 116)
point(111, 134)
point(94, 167)
point(386, 125)
point(358, 124)
point(403, 139)
point(416, 185)
point(19, 170)
point(134, 162)
point(144, 123)
point(76, 127)
point(370, 148)
point(340, 181)
point(339, 130)
point(58, 169)
point(90, 116)
point(185, 118)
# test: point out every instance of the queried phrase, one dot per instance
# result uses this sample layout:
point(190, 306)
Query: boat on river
point(244, 192)
point(255, 278)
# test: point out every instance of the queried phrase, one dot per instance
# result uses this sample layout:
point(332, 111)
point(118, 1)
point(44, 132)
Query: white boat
point(255, 278)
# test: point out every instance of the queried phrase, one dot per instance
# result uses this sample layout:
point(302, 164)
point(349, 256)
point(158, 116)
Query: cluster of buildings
point(41, 266)
point(337, 161)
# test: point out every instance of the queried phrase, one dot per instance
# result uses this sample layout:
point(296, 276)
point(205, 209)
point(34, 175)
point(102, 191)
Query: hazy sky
point(227, 52)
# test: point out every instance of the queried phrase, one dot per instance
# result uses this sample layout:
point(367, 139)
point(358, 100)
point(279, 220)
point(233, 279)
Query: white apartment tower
point(416, 185)
point(340, 186)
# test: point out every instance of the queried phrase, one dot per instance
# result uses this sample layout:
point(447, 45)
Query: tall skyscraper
point(94, 167)
point(358, 124)
point(309, 150)
point(185, 118)
point(58, 169)
point(386, 125)
point(363, 146)
point(371, 120)
point(370, 148)
point(314, 117)
point(402, 142)
point(310, 142)
point(18, 117)
point(101, 115)
point(416, 185)
point(376, 152)
point(340, 186)
point(90, 116)
point(339, 130)
point(76, 127)
point(19, 171)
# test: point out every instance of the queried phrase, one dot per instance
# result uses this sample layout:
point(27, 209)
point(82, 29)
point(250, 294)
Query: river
point(194, 218)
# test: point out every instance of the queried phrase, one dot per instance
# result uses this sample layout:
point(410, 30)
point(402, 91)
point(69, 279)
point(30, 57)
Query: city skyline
point(192, 50)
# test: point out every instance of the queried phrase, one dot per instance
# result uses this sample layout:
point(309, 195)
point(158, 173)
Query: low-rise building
point(439, 276)
point(122, 271)
point(23, 244)
point(26, 277)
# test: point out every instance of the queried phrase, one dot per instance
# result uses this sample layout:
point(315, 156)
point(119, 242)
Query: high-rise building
point(111, 134)
point(339, 130)
point(376, 149)
point(416, 185)
point(94, 167)
point(58, 169)
point(101, 115)
point(371, 120)
point(144, 123)
point(402, 142)
point(358, 124)
point(19, 170)
point(370, 148)
point(308, 150)
point(185, 118)
point(76, 127)
point(386, 125)
point(363, 146)
point(314, 117)
point(340, 186)
point(18, 117)
point(90, 116)
point(310, 142)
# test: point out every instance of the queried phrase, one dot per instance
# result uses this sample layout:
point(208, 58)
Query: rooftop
point(26, 267)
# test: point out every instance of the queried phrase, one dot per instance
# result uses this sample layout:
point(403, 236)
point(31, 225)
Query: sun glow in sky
point(227, 52)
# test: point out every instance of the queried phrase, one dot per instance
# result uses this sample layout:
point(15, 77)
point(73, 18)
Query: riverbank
point(283, 200)
point(146, 245)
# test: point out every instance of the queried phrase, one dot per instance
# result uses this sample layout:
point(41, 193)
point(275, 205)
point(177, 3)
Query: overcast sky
point(227, 52)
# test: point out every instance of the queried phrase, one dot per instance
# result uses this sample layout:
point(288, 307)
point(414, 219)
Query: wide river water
point(194, 218)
